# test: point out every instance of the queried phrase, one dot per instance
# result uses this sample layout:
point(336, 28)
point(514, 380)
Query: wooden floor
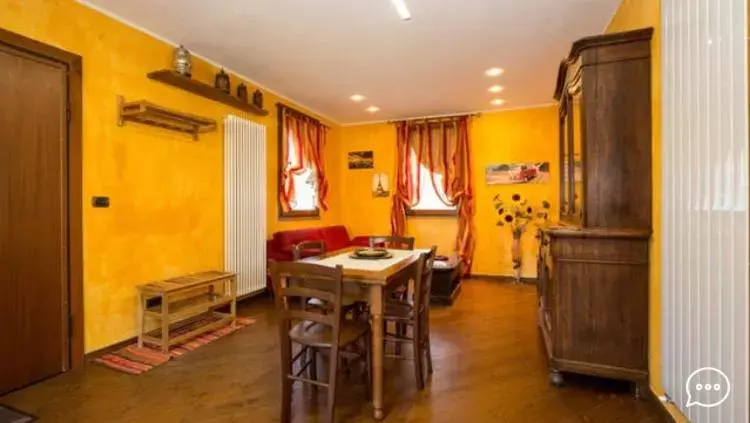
point(489, 367)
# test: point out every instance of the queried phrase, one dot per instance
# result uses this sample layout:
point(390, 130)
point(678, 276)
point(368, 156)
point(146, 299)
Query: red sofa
point(279, 247)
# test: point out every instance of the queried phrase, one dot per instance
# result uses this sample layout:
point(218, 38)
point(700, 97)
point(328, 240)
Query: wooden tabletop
point(186, 282)
point(381, 277)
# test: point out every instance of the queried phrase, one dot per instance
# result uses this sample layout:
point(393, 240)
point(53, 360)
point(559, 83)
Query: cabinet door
point(578, 137)
point(543, 281)
point(564, 160)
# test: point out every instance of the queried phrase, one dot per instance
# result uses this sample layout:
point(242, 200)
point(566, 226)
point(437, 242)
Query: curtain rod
point(435, 119)
point(282, 106)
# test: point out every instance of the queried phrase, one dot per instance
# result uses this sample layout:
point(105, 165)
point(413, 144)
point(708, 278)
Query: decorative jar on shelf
point(258, 99)
point(222, 81)
point(242, 92)
point(183, 61)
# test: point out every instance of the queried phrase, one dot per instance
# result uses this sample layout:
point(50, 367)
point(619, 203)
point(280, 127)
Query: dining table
point(369, 281)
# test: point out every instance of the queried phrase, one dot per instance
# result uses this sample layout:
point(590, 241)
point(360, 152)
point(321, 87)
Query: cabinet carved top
point(571, 66)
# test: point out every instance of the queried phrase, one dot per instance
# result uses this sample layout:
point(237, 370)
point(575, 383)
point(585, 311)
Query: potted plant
point(517, 214)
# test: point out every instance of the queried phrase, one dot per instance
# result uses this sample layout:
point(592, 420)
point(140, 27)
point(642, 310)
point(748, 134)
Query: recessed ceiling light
point(357, 97)
point(495, 89)
point(494, 72)
point(373, 109)
point(401, 9)
point(497, 102)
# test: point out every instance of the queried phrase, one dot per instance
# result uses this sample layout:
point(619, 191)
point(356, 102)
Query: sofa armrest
point(279, 255)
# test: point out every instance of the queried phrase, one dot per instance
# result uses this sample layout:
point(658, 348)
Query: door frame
point(74, 166)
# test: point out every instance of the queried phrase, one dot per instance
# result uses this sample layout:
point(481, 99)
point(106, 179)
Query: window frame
point(281, 138)
point(431, 212)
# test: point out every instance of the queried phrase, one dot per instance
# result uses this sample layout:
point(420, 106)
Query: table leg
point(141, 318)
point(233, 304)
point(165, 324)
point(376, 309)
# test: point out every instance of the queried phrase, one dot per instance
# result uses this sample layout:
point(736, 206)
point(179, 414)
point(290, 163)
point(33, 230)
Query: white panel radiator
point(245, 203)
point(704, 207)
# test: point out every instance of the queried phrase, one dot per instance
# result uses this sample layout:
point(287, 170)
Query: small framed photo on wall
point(361, 160)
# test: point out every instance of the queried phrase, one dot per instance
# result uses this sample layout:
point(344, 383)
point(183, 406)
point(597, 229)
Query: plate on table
point(371, 254)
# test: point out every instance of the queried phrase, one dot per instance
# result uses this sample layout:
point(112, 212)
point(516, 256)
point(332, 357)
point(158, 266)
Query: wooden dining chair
point(397, 243)
point(315, 330)
point(392, 241)
point(318, 248)
point(415, 315)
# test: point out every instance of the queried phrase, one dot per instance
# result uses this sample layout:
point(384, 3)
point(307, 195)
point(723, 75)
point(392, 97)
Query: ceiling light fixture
point(357, 98)
point(401, 9)
point(494, 72)
point(497, 102)
point(495, 89)
point(373, 109)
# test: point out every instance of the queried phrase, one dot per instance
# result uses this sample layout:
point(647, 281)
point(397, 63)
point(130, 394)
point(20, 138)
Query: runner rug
point(136, 361)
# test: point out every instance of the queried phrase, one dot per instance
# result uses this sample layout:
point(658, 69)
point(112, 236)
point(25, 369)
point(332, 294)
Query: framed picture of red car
point(517, 173)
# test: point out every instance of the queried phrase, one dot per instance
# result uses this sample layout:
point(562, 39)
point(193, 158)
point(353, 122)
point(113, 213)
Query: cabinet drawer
point(604, 250)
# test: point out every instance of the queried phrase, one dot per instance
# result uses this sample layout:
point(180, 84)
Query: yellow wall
point(166, 217)
point(634, 14)
point(526, 135)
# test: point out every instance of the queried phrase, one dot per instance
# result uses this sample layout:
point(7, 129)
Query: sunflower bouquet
point(517, 214)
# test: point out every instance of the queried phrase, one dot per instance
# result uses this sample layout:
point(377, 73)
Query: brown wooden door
point(33, 219)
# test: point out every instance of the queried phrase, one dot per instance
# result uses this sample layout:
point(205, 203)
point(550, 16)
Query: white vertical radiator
point(245, 203)
point(704, 301)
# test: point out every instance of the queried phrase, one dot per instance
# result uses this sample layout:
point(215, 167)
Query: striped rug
point(136, 361)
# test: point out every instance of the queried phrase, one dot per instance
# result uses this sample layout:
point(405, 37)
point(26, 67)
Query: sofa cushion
point(336, 237)
point(360, 241)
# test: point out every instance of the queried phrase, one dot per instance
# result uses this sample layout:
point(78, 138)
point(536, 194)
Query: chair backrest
point(423, 280)
point(318, 246)
point(393, 241)
point(293, 281)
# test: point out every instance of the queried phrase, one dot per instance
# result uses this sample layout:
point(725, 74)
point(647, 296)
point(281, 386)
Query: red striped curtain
point(308, 137)
point(443, 147)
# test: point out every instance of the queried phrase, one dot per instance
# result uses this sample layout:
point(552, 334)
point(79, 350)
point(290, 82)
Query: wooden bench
point(182, 299)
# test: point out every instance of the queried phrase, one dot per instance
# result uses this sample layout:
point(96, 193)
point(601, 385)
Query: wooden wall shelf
point(204, 90)
point(147, 113)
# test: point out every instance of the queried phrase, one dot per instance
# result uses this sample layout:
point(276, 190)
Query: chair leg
point(333, 369)
point(418, 353)
point(313, 369)
point(428, 341)
point(428, 353)
point(286, 383)
point(400, 334)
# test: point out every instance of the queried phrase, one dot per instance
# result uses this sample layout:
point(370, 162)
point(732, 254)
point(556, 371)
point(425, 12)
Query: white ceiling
point(319, 52)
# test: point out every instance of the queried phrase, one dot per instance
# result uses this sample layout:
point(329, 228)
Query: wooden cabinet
point(594, 265)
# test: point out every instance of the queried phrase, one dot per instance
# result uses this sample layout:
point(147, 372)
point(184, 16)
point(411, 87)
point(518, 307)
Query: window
point(300, 197)
point(431, 197)
point(304, 182)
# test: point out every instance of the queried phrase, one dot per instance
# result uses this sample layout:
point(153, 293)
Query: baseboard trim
point(654, 399)
point(132, 340)
point(257, 294)
point(502, 278)
point(110, 348)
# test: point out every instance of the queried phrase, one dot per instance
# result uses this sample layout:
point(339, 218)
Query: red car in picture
point(527, 173)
